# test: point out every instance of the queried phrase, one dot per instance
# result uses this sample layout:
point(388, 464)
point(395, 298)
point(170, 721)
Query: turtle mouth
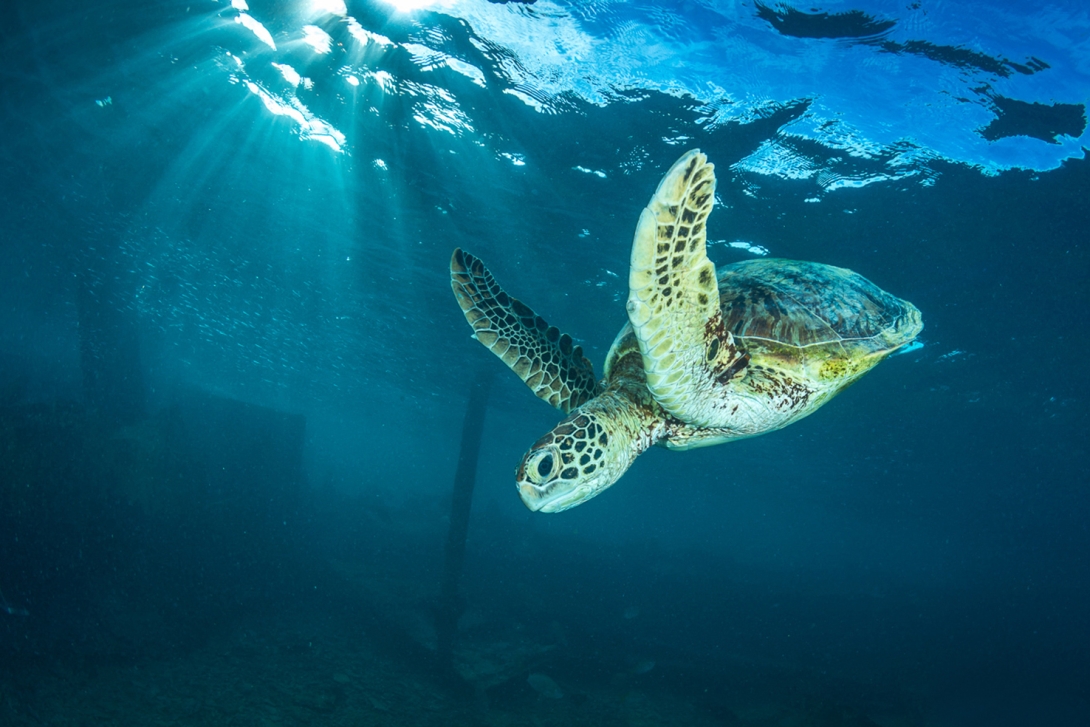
point(548, 500)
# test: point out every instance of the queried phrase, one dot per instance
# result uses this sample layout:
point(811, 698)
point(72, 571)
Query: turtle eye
point(545, 467)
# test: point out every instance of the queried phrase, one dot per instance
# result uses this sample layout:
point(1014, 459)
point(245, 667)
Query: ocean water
point(236, 390)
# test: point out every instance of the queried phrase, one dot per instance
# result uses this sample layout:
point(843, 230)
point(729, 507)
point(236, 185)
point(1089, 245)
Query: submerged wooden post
point(451, 603)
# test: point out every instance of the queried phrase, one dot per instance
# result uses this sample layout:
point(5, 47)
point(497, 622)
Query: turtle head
point(578, 459)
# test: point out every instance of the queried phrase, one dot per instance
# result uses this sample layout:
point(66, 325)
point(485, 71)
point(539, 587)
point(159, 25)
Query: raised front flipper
point(542, 356)
point(673, 298)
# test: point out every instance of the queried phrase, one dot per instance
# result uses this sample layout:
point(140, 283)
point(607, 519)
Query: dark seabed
point(235, 385)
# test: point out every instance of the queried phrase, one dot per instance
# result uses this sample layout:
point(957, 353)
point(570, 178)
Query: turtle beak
point(532, 497)
point(548, 500)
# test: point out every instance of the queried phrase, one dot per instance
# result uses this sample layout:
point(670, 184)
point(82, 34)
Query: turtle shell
point(771, 303)
point(824, 323)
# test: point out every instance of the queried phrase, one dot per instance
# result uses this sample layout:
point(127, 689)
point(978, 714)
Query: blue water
point(233, 377)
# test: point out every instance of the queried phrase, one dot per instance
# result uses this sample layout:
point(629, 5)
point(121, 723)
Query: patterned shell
point(802, 304)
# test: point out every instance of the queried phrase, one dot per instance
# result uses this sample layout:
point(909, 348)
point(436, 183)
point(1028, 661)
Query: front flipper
point(673, 299)
point(542, 356)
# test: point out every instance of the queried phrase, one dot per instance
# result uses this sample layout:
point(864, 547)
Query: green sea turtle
point(706, 357)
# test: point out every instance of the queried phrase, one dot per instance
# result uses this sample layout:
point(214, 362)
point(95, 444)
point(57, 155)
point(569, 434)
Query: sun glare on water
point(404, 6)
point(333, 7)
